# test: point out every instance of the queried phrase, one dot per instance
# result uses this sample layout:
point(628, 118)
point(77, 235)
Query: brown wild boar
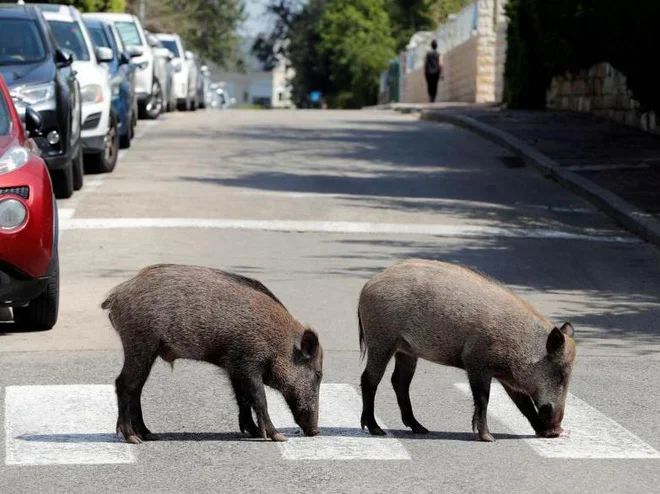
point(451, 315)
point(192, 312)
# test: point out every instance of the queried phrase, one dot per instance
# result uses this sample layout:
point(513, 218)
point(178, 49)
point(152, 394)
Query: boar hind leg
point(401, 379)
point(129, 386)
point(373, 373)
point(480, 386)
point(526, 407)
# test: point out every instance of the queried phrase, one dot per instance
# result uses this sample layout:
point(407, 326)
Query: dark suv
point(39, 74)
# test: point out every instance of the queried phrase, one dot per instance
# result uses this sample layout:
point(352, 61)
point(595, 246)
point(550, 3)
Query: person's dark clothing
point(432, 72)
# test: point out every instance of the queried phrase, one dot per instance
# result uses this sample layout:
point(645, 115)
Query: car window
point(4, 117)
point(172, 46)
point(69, 37)
point(99, 37)
point(20, 42)
point(128, 32)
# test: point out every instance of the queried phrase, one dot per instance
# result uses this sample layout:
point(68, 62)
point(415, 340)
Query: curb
point(629, 216)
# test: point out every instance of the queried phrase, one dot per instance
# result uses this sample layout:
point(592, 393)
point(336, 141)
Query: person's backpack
point(432, 65)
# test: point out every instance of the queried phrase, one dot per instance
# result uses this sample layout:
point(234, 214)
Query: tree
point(90, 5)
point(410, 16)
point(356, 39)
point(208, 27)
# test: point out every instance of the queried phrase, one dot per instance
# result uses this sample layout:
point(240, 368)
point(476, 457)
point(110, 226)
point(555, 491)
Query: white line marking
point(334, 227)
point(62, 425)
point(341, 437)
point(65, 213)
point(592, 434)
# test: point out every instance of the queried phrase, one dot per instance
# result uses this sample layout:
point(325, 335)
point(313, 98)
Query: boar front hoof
point(419, 429)
point(134, 439)
point(278, 437)
point(486, 437)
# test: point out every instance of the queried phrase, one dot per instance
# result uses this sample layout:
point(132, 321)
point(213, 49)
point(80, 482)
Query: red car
point(29, 266)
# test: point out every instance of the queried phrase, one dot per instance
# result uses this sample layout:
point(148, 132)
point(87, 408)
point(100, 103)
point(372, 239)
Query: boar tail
point(363, 348)
point(109, 301)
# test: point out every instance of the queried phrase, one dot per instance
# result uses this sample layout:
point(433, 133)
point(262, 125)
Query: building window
point(280, 96)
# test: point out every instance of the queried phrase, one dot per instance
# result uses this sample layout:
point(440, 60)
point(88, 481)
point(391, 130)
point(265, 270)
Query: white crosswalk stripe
point(590, 433)
point(341, 437)
point(60, 425)
point(74, 424)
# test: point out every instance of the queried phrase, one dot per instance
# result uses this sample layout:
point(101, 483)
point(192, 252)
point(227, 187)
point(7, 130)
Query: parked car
point(40, 74)
point(164, 58)
point(100, 136)
point(122, 76)
point(29, 263)
point(185, 73)
point(149, 76)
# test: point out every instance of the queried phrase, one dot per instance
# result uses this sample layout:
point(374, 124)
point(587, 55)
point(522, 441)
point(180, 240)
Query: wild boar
point(192, 312)
point(451, 315)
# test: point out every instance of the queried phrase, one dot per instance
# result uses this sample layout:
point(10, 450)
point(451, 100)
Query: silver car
point(151, 75)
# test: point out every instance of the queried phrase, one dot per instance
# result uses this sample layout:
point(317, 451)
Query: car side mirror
point(103, 54)
point(33, 121)
point(153, 42)
point(189, 55)
point(63, 58)
point(134, 51)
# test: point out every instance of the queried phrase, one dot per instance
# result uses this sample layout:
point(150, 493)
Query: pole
point(142, 13)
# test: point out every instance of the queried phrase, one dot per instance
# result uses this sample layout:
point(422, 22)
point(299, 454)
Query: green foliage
point(410, 16)
point(442, 9)
point(90, 5)
point(356, 38)
point(207, 27)
point(550, 38)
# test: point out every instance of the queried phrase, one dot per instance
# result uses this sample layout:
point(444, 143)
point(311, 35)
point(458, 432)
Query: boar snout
point(551, 417)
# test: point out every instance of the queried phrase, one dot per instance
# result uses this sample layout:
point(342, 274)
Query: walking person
point(432, 70)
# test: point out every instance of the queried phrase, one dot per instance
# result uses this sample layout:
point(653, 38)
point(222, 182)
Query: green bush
point(547, 38)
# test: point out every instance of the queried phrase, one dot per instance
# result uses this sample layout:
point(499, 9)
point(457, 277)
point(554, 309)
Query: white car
point(99, 133)
point(185, 72)
point(149, 76)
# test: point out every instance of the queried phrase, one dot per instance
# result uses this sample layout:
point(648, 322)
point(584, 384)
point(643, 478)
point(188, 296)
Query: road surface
point(313, 204)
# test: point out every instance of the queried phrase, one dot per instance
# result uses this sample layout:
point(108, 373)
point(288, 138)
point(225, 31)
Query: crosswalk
point(74, 424)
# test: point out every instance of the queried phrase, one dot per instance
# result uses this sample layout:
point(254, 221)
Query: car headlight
point(12, 214)
point(34, 94)
point(13, 159)
point(92, 93)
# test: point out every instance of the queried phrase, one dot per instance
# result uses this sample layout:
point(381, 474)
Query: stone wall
point(601, 90)
point(460, 77)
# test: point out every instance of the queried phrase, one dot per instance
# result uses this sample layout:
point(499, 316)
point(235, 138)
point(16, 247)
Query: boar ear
point(568, 329)
point(556, 341)
point(309, 344)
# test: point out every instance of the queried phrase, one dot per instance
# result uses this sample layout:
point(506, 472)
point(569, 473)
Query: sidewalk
point(614, 166)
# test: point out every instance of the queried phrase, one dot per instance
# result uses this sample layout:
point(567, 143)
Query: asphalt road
point(313, 204)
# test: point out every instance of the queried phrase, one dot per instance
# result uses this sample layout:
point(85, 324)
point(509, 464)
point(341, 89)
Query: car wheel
point(193, 105)
point(133, 121)
point(78, 171)
point(182, 105)
point(125, 139)
point(105, 161)
point(154, 106)
point(41, 313)
point(63, 182)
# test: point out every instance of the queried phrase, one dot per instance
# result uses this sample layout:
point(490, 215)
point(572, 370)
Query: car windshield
point(171, 45)
point(20, 42)
point(99, 37)
point(70, 37)
point(4, 117)
point(129, 33)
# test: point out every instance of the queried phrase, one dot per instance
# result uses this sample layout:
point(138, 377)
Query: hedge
point(547, 38)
